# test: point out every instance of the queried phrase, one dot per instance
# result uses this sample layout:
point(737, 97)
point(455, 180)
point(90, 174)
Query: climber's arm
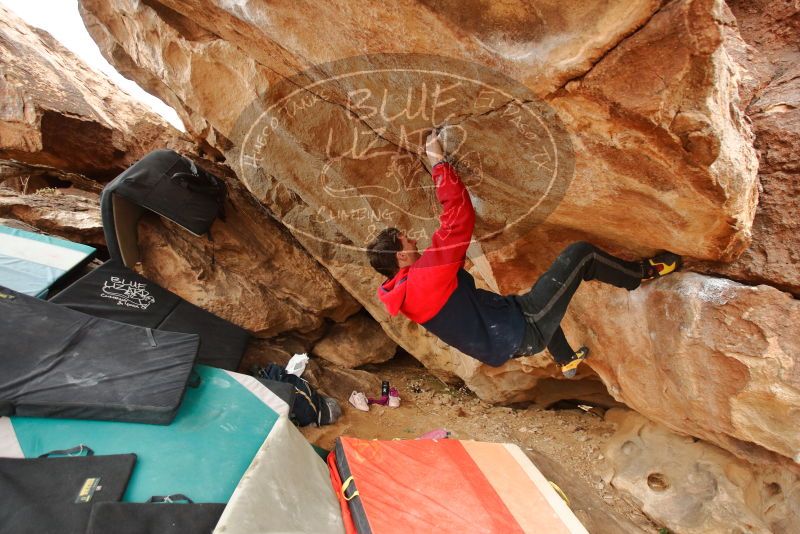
point(450, 242)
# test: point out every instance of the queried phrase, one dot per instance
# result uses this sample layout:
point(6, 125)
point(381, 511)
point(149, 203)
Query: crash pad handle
point(77, 450)
point(195, 379)
point(346, 485)
point(174, 498)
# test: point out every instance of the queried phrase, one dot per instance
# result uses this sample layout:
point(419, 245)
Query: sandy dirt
point(571, 436)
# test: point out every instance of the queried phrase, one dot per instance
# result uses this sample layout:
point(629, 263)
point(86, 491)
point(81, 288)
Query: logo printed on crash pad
point(131, 294)
point(87, 490)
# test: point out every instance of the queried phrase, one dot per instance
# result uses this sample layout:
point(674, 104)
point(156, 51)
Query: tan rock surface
point(56, 111)
point(701, 190)
point(72, 217)
point(338, 382)
point(730, 376)
point(355, 342)
point(693, 487)
point(770, 28)
point(251, 272)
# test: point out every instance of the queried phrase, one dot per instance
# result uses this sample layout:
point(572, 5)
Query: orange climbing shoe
point(570, 368)
point(661, 265)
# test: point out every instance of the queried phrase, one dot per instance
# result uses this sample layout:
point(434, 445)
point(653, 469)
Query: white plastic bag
point(297, 364)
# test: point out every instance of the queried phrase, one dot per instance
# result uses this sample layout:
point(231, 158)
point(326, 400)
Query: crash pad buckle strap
point(77, 450)
point(310, 401)
point(151, 338)
point(345, 485)
point(167, 499)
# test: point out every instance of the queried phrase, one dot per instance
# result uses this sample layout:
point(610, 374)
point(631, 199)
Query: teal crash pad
point(204, 452)
point(30, 263)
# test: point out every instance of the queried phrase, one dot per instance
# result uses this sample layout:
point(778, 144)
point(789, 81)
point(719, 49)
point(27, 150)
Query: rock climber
point(434, 290)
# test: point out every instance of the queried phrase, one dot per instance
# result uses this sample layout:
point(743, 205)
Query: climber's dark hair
point(382, 252)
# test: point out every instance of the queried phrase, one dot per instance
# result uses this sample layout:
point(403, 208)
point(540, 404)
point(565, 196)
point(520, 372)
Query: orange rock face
point(705, 356)
point(56, 111)
point(770, 29)
point(357, 341)
point(623, 123)
point(249, 272)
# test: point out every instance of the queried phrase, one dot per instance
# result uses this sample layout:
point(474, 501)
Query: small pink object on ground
point(383, 401)
point(438, 433)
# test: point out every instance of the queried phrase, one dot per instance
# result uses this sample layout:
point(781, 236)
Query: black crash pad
point(165, 183)
point(56, 495)
point(58, 362)
point(154, 518)
point(115, 292)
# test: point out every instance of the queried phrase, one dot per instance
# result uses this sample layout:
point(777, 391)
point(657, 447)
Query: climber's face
point(409, 254)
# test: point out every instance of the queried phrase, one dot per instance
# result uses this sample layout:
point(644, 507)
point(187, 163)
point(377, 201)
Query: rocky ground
point(563, 441)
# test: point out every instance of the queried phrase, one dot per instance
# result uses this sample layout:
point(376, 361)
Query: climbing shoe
point(661, 265)
point(570, 368)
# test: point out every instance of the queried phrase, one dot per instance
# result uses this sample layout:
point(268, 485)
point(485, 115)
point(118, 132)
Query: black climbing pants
point(546, 303)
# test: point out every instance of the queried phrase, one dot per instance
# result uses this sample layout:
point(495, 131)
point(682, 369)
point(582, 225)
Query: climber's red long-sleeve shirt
point(439, 294)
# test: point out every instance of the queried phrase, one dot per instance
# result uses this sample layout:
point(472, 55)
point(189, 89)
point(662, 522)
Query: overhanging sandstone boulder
point(651, 107)
point(247, 52)
point(712, 199)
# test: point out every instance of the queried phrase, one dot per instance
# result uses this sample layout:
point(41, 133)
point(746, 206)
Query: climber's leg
point(560, 348)
point(562, 353)
point(546, 303)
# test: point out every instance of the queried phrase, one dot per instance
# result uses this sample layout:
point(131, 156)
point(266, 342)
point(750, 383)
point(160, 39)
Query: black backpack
point(309, 407)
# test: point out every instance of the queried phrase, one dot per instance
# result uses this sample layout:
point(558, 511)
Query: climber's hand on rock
point(433, 148)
